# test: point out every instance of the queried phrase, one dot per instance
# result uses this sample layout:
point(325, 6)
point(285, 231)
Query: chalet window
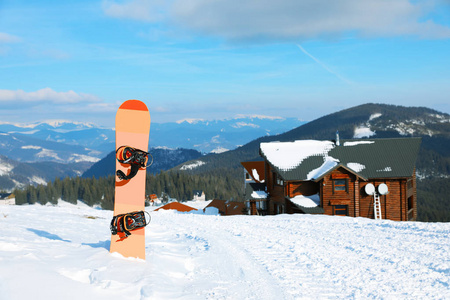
point(410, 203)
point(277, 180)
point(340, 185)
point(340, 210)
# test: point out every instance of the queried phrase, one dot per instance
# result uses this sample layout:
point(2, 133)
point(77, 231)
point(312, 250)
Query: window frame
point(277, 180)
point(345, 185)
point(340, 208)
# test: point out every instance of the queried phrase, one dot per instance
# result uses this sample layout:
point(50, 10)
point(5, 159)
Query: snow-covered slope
point(62, 253)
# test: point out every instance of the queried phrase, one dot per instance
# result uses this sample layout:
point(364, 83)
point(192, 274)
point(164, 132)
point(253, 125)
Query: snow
point(190, 121)
point(362, 132)
point(357, 167)
point(374, 116)
point(255, 116)
point(288, 155)
point(59, 123)
point(328, 164)
point(38, 180)
point(48, 153)
point(62, 252)
point(219, 150)
point(402, 128)
point(357, 143)
point(387, 169)
point(5, 168)
point(307, 201)
point(81, 157)
point(256, 175)
point(244, 124)
point(259, 195)
point(197, 204)
point(193, 165)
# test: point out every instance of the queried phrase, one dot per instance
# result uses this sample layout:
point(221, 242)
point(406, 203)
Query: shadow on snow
point(45, 234)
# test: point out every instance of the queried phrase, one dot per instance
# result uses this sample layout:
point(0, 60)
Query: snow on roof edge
point(288, 155)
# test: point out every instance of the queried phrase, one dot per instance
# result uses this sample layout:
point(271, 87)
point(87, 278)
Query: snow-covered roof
point(307, 204)
point(312, 159)
point(255, 191)
point(288, 155)
point(307, 201)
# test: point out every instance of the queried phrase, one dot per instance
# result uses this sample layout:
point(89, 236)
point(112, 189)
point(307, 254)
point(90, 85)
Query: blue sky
point(78, 60)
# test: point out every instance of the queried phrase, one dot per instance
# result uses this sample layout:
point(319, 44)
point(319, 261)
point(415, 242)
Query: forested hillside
point(163, 160)
point(93, 191)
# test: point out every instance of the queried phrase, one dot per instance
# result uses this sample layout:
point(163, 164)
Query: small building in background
point(227, 208)
point(199, 195)
point(176, 206)
point(7, 199)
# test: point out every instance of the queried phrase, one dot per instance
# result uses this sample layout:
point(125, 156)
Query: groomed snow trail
point(220, 268)
point(63, 253)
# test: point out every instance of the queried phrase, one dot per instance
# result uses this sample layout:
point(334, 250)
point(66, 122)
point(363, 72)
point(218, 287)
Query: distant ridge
point(382, 120)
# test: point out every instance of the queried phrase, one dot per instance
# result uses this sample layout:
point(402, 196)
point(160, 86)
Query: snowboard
point(132, 130)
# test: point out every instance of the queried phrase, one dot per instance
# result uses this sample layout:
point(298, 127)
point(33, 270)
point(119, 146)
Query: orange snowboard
point(132, 129)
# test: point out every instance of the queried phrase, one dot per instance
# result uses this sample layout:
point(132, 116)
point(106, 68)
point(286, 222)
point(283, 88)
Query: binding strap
point(128, 222)
point(136, 158)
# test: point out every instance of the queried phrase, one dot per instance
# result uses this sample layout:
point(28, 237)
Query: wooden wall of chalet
point(276, 192)
point(330, 198)
point(394, 205)
point(306, 188)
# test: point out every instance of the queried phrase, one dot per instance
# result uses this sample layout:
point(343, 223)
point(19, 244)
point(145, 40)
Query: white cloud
point(142, 10)
point(45, 95)
point(288, 19)
point(8, 38)
point(47, 104)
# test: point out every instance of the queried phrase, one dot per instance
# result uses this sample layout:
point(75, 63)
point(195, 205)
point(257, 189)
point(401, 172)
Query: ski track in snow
point(63, 253)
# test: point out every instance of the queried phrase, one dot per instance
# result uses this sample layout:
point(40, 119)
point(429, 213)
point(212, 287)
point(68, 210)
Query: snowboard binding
point(129, 222)
point(136, 158)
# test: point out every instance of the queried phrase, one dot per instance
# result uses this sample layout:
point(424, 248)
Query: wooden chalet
point(372, 178)
point(226, 207)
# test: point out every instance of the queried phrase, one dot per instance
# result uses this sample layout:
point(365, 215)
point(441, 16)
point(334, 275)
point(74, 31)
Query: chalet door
point(253, 208)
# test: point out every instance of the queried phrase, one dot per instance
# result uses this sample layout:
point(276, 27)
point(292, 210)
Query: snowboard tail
point(132, 130)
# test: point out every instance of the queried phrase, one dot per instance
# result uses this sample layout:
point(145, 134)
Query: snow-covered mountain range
point(31, 142)
point(219, 135)
point(72, 147)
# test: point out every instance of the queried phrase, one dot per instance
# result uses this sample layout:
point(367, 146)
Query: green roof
point(367, 158)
